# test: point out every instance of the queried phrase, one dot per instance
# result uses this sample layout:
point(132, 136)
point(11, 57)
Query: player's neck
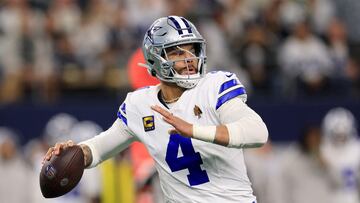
point(171, 92)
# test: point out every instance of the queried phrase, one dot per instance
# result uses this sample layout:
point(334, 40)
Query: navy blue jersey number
point(190, 160)
point(349, 178)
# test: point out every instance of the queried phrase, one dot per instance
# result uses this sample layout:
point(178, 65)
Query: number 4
point(190, 160)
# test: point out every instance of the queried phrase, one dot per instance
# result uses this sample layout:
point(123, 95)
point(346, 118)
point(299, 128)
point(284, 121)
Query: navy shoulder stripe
point(230, 95)
point(122, 117)
point(122, 112)
point(123, 108)
point(228, 84)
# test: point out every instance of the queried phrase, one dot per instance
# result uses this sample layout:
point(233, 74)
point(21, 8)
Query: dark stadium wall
point(284, 120)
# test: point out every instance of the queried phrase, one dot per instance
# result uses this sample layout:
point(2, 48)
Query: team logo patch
point(149, 123)
point(197, 111)
point(50, 172)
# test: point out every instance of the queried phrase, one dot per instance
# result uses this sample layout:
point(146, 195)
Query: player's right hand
point(56, 150)
point(180, 126)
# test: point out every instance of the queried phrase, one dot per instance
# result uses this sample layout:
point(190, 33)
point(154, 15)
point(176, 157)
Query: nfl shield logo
point(50, 172)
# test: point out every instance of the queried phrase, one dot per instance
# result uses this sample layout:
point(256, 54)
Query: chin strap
point(144, 65)
point(151, 71)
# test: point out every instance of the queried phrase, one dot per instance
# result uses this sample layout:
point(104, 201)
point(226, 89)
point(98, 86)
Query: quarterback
point(194, 124)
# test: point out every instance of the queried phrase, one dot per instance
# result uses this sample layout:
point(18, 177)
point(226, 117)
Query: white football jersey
point(191, 170)
point(344, 164)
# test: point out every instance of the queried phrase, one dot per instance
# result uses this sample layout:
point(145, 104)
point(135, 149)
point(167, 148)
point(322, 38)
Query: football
point(62, 173)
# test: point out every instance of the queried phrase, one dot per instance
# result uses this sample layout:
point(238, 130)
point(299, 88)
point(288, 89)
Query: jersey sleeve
point(226, 87)
point(121, 114)
point(110, 142)
point(124, 109)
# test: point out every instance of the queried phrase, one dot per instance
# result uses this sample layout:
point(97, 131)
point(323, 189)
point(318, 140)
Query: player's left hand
point(181, 127)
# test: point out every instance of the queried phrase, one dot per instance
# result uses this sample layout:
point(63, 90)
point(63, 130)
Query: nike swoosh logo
point(229, 75)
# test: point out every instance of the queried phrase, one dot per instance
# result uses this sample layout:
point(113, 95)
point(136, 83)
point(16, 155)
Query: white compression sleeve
point(204, 133)
point(246, 128)
point(110, 142)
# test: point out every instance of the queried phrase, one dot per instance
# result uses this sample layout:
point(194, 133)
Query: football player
point(194, 124)
point(341, 152)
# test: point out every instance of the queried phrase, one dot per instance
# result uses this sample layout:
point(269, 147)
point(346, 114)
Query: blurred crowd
point(282, 49)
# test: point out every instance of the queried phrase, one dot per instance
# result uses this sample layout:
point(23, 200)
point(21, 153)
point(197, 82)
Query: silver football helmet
point(173, 31)
point(339, 124)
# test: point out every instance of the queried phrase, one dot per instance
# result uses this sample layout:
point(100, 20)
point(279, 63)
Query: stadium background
point(296, 58)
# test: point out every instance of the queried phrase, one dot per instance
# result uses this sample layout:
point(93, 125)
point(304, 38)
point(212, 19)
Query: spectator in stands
point(65, 16)
point(257, 56)
point(88, 49)
point(318, 12)
point(16, 50)
point(220, 54)
point(305, 63)
point(338, 47)
point(348, 12)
